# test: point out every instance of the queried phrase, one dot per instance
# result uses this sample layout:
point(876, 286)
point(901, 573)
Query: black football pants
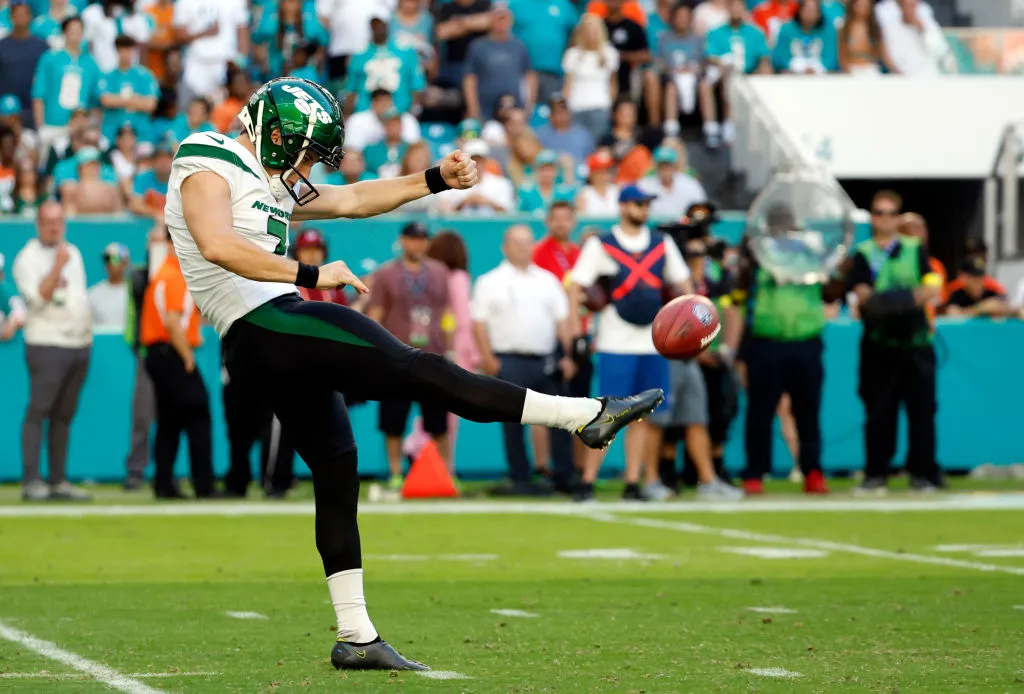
point(300, 355)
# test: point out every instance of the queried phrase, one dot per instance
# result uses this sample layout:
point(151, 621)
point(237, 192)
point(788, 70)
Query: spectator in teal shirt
point(384, 66)
point(305, 62)
point(149, 190)
point(834, 12)
point(47, 24)
point(659, 23)
point(284, 30)
point(66, 170)
point(128, 93)
point(385, 157)
point(65, 80)
point(43, 6)
point(537, 195)
point(195, 120)
point(544, 27)
point(736, 45)
point(806, 45)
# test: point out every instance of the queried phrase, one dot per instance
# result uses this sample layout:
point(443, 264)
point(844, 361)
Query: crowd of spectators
point(562, 100)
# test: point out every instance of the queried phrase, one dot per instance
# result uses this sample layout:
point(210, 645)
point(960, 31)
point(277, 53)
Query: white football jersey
point(222, 296)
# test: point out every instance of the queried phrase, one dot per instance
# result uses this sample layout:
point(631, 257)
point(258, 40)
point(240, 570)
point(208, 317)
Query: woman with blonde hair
point(591, 68)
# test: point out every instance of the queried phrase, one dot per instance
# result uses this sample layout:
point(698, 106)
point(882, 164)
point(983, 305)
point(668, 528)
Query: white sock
point(559, 412)
point(346, 589)
point(712, 128)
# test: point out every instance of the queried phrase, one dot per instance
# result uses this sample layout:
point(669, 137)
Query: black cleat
point(378, 655)
point(617, 413)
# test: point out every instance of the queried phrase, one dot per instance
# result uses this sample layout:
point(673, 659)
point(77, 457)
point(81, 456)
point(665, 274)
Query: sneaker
point(923, 485)
point(632, 493)
point(134, 483)
point(36, 490)
point(814, 483)
point(713, 142)
point(63, 491)
point(584, 493)
point(378, 655)
point(615, 414)
point(872, 486)
point(656, 491)
point(795, 476)
point(753, 487)
point(395, 483)
point(719, 491)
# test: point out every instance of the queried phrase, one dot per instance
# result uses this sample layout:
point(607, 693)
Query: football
point(685, 327)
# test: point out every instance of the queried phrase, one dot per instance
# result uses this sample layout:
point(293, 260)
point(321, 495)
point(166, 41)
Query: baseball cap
point(546, 157)
point(698, 212)
point(380, 14)
point(416, 230)
point(87, 155)
point(501, 7)
point(666, 155)
point(600, 161)
point(310, 238)
point(390, 113)
point(115, 253)
point(634, 194)
point(10, 104)
point(477, 148)
point(469, 127)
point(975, 267)
point(557, 98)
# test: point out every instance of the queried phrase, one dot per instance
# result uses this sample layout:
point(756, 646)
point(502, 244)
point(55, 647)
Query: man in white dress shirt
point(58, 336)
point(913, 38)
point(520, 315)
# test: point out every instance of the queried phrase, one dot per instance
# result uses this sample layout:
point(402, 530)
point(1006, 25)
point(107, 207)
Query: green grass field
point(902, 595)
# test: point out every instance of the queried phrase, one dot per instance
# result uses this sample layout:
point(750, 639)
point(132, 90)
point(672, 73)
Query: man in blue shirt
point(562, 136)
point(737, 45)
point(384, 66)
point(65, 81)
point(20, 52)
point(544, 26)
point(129, 92)
point(497, 64)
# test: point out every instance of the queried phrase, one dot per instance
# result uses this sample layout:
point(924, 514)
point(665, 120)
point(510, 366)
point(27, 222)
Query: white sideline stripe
point(1018, 607)
point(773, 672)
point(772, 610)
point(515, 613)
point(776, 552)
point(949, 502)
point(826, 545)
point(431, 557)
point(246, 615)
point(442, 675)
point(108, 676)
point(82, 676)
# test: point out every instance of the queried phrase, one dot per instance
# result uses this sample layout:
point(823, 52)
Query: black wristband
point(435, 181)
point(307, 276)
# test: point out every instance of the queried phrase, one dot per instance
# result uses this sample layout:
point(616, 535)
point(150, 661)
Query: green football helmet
point(310, 122)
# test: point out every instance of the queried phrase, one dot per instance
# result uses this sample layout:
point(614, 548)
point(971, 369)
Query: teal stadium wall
point(980, 374)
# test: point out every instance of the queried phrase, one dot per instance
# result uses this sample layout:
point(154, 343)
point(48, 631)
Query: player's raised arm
point(370, 198)
point(206, 204)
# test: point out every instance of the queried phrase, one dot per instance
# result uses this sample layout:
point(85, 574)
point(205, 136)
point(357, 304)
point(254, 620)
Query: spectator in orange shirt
point(630, 9)
point(161, 40)
point(770, 15)
point(239, 91)
point(975, 298)
point(976, 248)
point(170, 336)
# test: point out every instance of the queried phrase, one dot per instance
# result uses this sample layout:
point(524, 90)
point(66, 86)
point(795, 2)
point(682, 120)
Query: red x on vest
point(638, 269)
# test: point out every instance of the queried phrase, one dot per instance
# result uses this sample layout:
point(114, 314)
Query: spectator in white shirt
point(913, 39)
point(632, 267)
point(348, 24)
point(213, 34)
point(493, 194)
point(591, 69)
point(58, 336)
point(108, 299)
point(103, 22)
point(366, 127)
point(600, 197)
point(673, 191)
point(520, 315)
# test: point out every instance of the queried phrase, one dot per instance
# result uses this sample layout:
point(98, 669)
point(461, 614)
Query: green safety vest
point(901, 272)
point(713, 274)
point(786, 312)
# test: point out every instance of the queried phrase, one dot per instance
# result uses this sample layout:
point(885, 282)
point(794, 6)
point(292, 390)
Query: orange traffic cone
point(428, 477)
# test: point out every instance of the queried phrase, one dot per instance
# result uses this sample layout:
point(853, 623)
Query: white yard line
point(825, 545)
point(773, 672)
point(108, 676)
point(246, 615)
point(950, 502)
point(515, 613)
point(83, 676)
point(442, 675)
point(772, 610)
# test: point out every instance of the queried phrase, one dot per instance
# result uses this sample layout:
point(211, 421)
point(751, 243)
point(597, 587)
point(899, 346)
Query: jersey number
point(279, 230)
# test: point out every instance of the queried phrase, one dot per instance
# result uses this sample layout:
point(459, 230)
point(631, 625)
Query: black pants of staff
point(774, 368)
point(302, 354)
point(182, 406)
point(250, 420)
point(890, 377)
point(539, 373)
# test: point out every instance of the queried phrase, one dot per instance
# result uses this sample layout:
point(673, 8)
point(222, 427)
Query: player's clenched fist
point(459, 171)
point(337, 274)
